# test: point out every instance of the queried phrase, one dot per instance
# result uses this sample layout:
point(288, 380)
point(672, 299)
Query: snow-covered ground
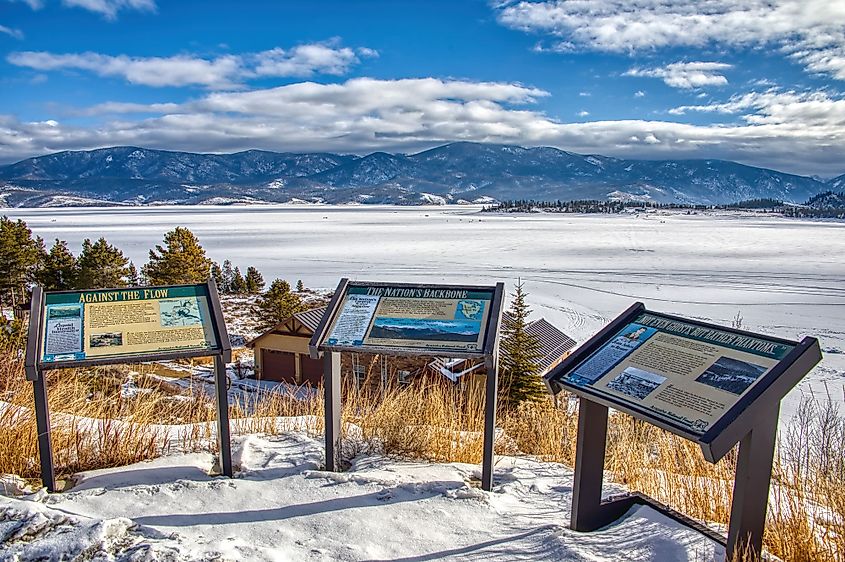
point(282, 507)
point(784, 277)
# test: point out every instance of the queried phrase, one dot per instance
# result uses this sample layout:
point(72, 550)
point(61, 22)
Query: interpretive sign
point(711, 384)
point(682, 371)
point(404, 319)
point(431, 319)
point(102, 327)
point(117, 322)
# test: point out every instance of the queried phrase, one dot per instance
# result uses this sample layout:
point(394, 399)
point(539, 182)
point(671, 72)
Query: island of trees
point(824, 205)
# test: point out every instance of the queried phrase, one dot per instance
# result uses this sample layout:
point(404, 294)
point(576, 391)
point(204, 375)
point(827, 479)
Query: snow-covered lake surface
point(784, 277)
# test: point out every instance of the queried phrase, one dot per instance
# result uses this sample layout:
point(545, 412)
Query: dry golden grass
point(439, 422)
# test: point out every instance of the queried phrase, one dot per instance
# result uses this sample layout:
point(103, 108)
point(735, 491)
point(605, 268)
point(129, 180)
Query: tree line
point(25, 260)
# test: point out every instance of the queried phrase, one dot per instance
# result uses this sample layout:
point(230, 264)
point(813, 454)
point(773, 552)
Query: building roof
point(307, 319)
point(311, 318)
point(554, 344)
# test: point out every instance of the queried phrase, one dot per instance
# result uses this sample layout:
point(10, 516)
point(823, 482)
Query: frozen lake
point(784, 277)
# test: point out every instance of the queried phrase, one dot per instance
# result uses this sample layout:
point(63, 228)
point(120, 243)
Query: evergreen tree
point(254, 281)
point(20, 257)
point(519, 353)
point(217, 275)
point(101, 265)
point(182, 260)
point(238, 282)
point(59, 268)
point(277, 303)
point(132, 276)
point(300, 286)
point(227, 278)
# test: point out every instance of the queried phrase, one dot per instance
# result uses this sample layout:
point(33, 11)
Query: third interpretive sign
point(686, 373)
point(84, 325)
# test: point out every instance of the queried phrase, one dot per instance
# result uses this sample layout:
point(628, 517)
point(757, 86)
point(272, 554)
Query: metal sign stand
point(331, 382)
point(751, 484)
point(36, 371)
point(754, 428)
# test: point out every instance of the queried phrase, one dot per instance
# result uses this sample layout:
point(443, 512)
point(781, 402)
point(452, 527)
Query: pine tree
point(101, 265)
point(59, 268)
point(519, 353)
point(277, 303)
point(254, 281)
point(238, 282)
point(182, 260)
point(132, 276)
point(300, 286)
point(227, 278)
point(217, 275)
point(20, 257)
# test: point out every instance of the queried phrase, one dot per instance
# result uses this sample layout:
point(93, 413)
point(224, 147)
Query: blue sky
point(754, 81)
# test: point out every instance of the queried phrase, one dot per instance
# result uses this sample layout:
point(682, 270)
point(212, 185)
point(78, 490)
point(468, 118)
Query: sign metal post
point(69, 329)
point(713, 385)
point(402, 319)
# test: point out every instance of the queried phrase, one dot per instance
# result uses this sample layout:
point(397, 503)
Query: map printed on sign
point(439, 319)
point(680, 371)
point(94, 324)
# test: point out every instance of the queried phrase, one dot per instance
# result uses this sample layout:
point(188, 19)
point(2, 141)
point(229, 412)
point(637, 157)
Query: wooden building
point(281, 353)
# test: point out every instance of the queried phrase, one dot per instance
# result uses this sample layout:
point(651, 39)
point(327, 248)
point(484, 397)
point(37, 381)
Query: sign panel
point(421, 318)
point(686, 373)
point(112, 323)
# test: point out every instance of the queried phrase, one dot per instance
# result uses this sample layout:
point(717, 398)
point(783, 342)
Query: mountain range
point(461, 172)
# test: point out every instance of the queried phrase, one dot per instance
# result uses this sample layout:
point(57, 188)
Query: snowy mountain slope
point(454, 171)
point(837, 183)
point(282, 507)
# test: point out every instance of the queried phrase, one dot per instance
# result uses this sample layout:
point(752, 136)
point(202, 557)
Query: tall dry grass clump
point(434, 421)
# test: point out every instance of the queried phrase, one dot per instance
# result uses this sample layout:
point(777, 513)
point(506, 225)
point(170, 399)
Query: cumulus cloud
point(109, 8)
point(801, 133)
point(686, 75)
point(223, 72)
point(810, 31)
point(12, 32)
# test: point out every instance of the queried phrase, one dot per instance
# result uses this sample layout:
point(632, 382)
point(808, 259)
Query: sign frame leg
point(751, 487)
point(589, 467)
point(45, 441)
point(224, 439)
point(332, 409)
point(491, 396)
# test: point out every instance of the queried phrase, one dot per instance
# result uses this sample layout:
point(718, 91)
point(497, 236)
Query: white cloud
point(811, 31)
point(801, 133)
point(583, 113)
point(307, 60)
point(110, 8)
point(223, 72)
point(180, 70)
point(12, 32)
point(639, 94)
point(807, 109)
point(686, 75)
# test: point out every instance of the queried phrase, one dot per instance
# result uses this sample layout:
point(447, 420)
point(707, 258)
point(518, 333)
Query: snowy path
point(281, 507)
